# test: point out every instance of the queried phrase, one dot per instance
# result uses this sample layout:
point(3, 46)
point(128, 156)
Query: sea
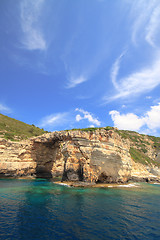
point(41, 209)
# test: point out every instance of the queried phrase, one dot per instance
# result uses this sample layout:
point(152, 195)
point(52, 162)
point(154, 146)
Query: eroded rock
point(99, 156)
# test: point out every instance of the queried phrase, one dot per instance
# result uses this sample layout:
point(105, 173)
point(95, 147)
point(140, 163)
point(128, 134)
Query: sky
point(68, 64)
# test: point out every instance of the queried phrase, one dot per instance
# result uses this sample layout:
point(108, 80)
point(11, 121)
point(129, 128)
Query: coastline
point(81, 184)
point(100, 185)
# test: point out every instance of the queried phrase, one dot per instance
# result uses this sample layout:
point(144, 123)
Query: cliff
point(101, 155)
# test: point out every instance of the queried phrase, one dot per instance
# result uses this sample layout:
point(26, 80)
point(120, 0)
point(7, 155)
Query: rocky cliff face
point(98, 156)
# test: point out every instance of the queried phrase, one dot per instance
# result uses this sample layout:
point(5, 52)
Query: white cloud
point(73, 82)
point(150, 121)
point(30, 17)
point(127, 121)
point(137, 82)
point(67, 120)
point(88, 116)
point(153, 117)
point(54, 120)
point(78, 118)
point(4, 109)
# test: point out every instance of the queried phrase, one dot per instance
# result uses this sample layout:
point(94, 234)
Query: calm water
point(39, 209)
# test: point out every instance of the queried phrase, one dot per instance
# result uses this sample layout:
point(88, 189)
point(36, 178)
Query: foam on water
point(62, 184)
point(130, 185)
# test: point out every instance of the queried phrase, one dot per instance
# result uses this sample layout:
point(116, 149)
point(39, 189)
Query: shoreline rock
point(102, 156)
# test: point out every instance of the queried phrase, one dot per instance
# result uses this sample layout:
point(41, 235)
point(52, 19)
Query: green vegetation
point(140, 145)
point(91, 129)
point(128, 134)
point(108, 128)
point(16, 130)
point(140, 157)
point(85, 129)
point(138, 140)
point(156, 141)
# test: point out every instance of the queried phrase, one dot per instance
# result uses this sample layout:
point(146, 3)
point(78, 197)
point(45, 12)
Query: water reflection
point(42, 210)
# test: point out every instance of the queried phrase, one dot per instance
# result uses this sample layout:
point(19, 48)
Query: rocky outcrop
point(97, 156)
point(16, 158)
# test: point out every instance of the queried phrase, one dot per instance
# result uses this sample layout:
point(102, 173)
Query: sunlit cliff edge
point(103, 155)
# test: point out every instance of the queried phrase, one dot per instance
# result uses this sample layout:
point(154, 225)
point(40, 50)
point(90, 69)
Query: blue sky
point(81, 63)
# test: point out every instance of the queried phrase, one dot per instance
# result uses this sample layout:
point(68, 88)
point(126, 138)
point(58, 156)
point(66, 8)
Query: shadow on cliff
point(44, 154)
point(71, 174)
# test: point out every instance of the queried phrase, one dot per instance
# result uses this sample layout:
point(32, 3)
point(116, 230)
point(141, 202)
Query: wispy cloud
point(68, 120)
point(30, 14)
point(149, 120)
point(148, 97)
point(4, 109)
point(136, 83)
point(153, 26)
point(145, 27)
point(74, 81)
point(115, 70)
point(54, 120)
point(88, 116)
point(146, 23)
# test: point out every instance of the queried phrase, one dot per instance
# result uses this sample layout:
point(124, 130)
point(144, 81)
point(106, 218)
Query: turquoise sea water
point(40, 209)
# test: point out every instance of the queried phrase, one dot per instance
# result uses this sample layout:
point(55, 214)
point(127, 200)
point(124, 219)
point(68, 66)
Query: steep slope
point(16, 130)
point(143, 148)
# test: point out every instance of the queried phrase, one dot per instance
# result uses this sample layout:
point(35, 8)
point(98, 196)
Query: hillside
point(144, 149)
point(16, 130)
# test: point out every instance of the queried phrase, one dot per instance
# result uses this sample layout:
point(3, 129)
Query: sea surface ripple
point(39, 209)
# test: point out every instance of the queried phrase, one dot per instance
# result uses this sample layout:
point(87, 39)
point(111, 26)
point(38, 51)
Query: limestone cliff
point(103, 155)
